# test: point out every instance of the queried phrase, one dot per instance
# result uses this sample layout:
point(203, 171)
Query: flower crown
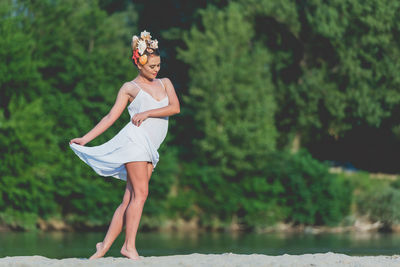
point(142, 44)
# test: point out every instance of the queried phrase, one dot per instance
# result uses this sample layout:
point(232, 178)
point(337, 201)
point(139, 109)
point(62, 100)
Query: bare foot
point(100, 251)
point(131, 254)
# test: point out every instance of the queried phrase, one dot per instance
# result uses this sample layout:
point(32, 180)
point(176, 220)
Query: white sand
point(220, 260)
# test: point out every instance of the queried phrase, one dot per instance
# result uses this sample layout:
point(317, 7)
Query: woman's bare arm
point(109, 119)
point(172, 108)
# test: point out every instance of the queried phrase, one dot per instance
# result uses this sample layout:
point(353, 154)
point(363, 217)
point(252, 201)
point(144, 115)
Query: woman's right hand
point(80, 141)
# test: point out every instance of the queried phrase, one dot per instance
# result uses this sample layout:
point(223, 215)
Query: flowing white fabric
point(132, 143)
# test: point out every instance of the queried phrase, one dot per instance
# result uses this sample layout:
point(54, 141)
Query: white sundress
point(132, 143)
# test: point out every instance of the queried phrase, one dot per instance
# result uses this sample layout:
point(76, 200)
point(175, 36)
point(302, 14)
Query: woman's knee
point(127, 196)
point(125, 201)
point(141, 194)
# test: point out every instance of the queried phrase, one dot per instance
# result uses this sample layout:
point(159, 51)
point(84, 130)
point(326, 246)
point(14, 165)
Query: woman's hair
point(143, 47)
point(155, 52)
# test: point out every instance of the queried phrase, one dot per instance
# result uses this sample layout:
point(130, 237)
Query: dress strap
point(136, 85)
point(161, 83)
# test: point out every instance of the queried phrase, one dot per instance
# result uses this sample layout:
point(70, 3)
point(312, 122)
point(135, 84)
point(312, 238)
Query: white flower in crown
point(154, 44)
point(135, 39)
point(142, 46)
point(145, 35)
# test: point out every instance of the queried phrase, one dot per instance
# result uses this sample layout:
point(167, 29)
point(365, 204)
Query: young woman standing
point(132, 154)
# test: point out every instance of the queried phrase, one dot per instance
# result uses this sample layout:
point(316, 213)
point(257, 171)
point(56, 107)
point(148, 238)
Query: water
point(81, 245)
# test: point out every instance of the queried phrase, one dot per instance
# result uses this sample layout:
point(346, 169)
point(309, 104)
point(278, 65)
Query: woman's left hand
point(138, 118)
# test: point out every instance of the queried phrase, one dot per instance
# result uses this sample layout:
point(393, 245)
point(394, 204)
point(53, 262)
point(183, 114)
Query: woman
point(132, 154)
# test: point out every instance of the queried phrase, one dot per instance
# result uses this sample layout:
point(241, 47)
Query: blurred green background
point(274, 94)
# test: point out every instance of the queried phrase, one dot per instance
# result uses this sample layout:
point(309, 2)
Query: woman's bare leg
point(116, 224)
point(140, 176)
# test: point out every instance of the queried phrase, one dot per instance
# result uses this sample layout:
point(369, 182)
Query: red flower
point(135, 55)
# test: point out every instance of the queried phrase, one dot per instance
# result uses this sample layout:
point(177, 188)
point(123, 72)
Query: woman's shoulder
point(128, 84)
point(130, 88)
point(166, 81)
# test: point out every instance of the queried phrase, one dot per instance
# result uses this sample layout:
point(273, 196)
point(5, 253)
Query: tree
point(230, 95)
point(18, 72)
point(334, 64)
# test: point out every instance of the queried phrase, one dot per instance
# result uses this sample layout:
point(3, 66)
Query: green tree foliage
point(362, 71)
point(230, 94)
point(251, 74)
point(381, 205)
point(64, 67)
point(18, 71)
point(235, 173)
point(230, 91)
point(310, 193)
point(335, 63)
point(29, 152)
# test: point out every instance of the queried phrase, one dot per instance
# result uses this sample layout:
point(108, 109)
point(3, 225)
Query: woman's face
point(151, 68)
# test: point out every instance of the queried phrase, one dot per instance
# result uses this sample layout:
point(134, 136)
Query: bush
point(311, 194)
point(291, 188)
point(381, 205)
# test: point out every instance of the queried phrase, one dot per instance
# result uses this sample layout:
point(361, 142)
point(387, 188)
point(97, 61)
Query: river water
point(81, 244)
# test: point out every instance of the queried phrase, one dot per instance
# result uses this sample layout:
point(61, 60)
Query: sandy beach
point(226, 259)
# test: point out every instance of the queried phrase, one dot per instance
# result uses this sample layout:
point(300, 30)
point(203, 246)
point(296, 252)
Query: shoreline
point(360, 225)
point(205, 260)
